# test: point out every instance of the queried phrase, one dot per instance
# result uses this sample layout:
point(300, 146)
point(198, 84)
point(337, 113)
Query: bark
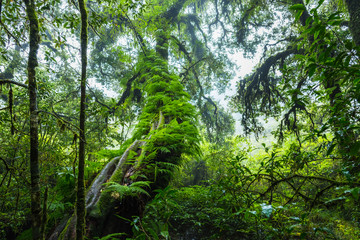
point(80, 201)
point(354, 24)
point(44, 215)
point(34, 39)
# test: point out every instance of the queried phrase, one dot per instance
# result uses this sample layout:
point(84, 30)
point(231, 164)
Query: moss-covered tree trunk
point(34, 39)
point(80, 200)
point(165, 130)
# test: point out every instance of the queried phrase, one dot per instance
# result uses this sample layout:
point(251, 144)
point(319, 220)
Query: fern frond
point(137, 190)
point(167, 165)
point(141, 184)
point(119, 191)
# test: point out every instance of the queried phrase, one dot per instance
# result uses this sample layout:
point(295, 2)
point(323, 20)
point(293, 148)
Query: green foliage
point(205, 213)
point(155, 223)
point(272, 195)
point(25, 235)
point(118, 191)
point(304, 187)
point(167, 123)
point(109, 154)
point(331, 60)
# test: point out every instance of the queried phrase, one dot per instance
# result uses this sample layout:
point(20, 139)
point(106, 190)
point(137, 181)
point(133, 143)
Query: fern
point(119, 191)
point(141, 184)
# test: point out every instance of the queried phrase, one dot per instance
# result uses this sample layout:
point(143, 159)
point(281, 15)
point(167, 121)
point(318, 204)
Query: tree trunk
point(354, 25)
point(151, 159)
point(44, 215)
point(34, 39)
point(161, 136)
point(80, 201)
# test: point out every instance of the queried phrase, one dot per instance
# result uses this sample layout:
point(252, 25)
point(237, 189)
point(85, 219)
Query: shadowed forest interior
point(179, 119)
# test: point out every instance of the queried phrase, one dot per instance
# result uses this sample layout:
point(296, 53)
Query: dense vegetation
point(113, 124)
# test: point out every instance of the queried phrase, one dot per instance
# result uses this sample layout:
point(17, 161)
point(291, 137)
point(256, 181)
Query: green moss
point(105, 204)
point(63, 233)
point(106, 201)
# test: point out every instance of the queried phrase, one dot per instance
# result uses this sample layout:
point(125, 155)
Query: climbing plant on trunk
point(166, 129)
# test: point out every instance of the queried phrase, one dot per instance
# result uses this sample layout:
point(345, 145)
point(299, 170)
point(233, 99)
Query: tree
point(164, 59)
point(161, 136)
point(34, 39)
point(259, 92)
point(80, 200)
point(311, 90)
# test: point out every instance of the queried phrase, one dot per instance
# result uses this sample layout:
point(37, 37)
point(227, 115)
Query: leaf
point(354, 149)
point(312, 68)
point(308, 20)
point(298, 15)
point(298, 7)
point(335, 200)
point(266, 209)
point(125, 219)
point(153, 234)
point(317, 34)
point(140, 184)
point(247, 169)
point(297, 219)
point(324, 230)
point(349, 45)
point(165, 234)
point(320, 3)
point(354, 192)
point(331, 147)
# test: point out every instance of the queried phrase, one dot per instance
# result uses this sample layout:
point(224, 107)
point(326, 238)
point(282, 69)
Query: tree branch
point(5, 81)
point(126, 93)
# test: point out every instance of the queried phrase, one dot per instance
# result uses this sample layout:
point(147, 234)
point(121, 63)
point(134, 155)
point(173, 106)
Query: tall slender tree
point(80, 202)
point(34, 40)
